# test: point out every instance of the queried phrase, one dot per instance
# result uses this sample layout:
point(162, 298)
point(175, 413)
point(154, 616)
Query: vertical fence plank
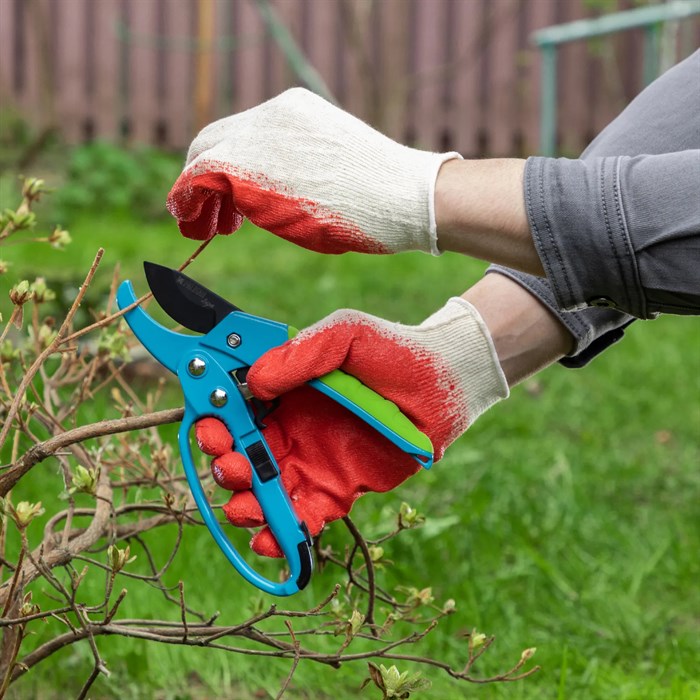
point(463, 118)
point(429, 76)
point(142, 51)
point(107, 102)
point(522, 87)
point(228, 25)
point(356, 20)
point(249, 73)
point(205, 63)
point(604, 80)
point(541, 13)
point(502, 115)
point(393, 54)
point(281, 75)
point(529, 77)
point(574, 114)
point(70, 62)
point(30, 69)
point(321, 50)
point(7, 51)
point(178, 74)
point(20, 51)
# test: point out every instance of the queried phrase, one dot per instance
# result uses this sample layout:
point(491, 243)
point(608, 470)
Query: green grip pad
point(385, 411)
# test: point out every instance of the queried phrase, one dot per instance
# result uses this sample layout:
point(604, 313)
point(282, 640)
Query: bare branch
point(295, 663)
point(53, 346)
point(369, 564)
point(40, 452)
point(136, 482)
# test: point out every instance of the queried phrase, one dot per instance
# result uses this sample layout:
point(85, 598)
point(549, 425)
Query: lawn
point(566, 519)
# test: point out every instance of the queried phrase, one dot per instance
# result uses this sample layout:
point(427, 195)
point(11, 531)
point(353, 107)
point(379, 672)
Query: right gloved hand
point(311, 173)
point(442, 374)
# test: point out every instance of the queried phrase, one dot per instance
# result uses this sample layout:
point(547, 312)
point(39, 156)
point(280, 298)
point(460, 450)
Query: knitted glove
point(311, 173)
point(442, 374)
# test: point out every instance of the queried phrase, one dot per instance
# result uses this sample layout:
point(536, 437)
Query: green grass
point(566, 519)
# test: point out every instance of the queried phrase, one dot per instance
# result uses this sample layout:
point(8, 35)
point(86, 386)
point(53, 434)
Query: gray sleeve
point(641, 260)
point(619, 231)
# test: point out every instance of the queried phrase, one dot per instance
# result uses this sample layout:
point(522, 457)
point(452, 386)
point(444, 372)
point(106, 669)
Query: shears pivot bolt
point(218, 398)
point(233, 340)
point(196, 366)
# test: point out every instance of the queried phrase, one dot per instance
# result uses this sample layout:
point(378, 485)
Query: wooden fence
point(458, 74)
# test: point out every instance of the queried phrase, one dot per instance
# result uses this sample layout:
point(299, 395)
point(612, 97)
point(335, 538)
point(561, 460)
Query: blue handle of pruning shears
point(206, 366)
point(292, 535)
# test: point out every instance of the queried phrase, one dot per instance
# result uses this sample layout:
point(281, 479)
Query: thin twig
point(88, 683)
point(183, 610)
point(118, 314)
point(295, 663)
point(52, 347)
point(15, 580)
point(40, 452)
point(371, 589)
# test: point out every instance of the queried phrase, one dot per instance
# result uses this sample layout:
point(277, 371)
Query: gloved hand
point(442, 374)
point(311, 173)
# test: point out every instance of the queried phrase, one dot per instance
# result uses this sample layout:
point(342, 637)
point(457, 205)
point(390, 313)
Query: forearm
point(480, 212)
point(525, 333)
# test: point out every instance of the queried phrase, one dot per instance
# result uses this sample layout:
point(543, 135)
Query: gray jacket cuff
point(579, 229)
point(594, 330)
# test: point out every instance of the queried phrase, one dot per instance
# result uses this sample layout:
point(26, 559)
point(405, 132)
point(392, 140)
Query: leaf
point(399, 684)
point(409, 517)
point(476, 641)
point(376, 553)
point(25, 512)
point(357, 619)
point(84, 480)
point(391, 678)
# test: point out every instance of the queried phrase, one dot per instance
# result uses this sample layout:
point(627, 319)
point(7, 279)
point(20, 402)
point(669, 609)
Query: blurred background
point(440, 74)
point(566, 518)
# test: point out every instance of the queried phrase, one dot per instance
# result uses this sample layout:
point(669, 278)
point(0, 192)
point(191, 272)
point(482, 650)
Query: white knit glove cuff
point(459, 335)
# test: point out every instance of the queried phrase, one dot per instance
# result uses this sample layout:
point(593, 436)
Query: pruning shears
point(212, 370)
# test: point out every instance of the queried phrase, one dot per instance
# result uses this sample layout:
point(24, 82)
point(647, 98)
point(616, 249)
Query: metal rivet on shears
point(218, 397)
point(196, 366)
point(233, 340)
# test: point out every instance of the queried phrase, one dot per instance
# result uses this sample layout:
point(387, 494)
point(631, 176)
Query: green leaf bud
point(25, 512)
point(60, 238)
point(21, 293)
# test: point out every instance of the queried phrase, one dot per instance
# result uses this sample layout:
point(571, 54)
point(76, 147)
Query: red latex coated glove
point(441, 374)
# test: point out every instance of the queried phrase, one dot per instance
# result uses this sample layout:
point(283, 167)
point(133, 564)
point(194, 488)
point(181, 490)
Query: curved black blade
point(184, 300)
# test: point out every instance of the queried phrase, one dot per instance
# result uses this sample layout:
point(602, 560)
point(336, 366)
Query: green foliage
point(103, 178)
point(567, 516)
point(125, 479)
